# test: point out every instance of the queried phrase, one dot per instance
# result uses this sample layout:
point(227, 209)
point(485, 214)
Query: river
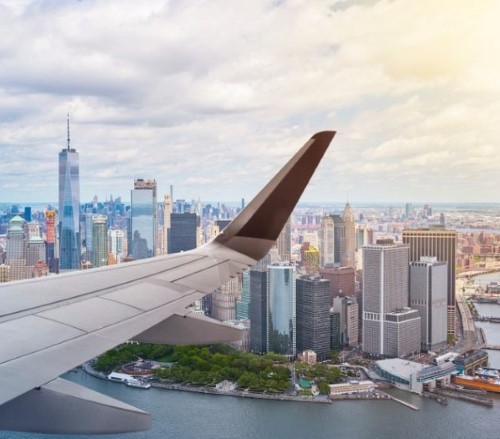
point(190, 415)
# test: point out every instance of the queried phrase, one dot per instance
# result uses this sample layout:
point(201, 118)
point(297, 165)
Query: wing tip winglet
point(255, 229)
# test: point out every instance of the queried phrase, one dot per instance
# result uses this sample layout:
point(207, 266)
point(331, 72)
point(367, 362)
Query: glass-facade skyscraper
point(144, 219)
point(69, 208)
point(281, 319)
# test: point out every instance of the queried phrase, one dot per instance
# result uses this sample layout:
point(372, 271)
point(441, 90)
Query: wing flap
point(63, 407)
point(189, 329)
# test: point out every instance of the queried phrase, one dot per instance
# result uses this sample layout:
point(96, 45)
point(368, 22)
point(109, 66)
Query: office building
point(167, 212)
point(258, 306)
point(69, 208)
point(258, 309)
point(313, 316)
point(335, 329)
point(99, 240)
point(348, 239)
point(441, 244)
point(183, 233)
point(284, 242)
point(385, 301)
point(143, 219)
point(281, 308)
point(35, 251)
point(243, 305)
point(224, 300)
point(326, 241)
point(348, 310)
point(310, 259)
point(50, 241)
point(117, 244)
point(16, 246)
point(342, 280)
point(428, 294)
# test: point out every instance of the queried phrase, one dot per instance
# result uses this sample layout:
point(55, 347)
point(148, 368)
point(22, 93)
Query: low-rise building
point(352, 386)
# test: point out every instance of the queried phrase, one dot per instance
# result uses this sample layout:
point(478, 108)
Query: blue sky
point(214, 98)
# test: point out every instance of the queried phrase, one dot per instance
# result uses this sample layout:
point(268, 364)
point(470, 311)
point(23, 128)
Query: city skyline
point(413, 100)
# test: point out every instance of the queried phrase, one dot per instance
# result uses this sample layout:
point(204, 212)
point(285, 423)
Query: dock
point(405, 403)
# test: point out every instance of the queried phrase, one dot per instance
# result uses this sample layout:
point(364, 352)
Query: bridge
point(493, 347)
point(490, 319)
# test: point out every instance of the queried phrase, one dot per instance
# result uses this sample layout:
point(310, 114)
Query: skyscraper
point(183, 232)
point(99, 240)
point(326, 241)
point(348, 240)
point(313, 315)
point(440, 243)
point(143, 220)
point(167, 211)
point(50, 240)
point(390, 328)
point(117, 244)
point(284, 242)
point(69, 208)
point(428, 294)
point(338, 238)
point(257, 310)
point(348, 309)
point(281, 309)
point(16, 248)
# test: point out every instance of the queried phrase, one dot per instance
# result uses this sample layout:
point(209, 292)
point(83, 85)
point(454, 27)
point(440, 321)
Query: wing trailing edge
point(64, 407)
point(189, 329)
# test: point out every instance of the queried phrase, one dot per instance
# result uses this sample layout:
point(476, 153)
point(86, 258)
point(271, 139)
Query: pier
point(407, 404)
point(490, 319)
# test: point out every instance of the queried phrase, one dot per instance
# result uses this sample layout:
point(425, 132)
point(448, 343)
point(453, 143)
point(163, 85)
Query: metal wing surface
point(51, 325)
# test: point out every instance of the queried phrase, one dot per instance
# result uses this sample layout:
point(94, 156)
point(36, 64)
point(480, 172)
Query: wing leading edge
point(50, 325)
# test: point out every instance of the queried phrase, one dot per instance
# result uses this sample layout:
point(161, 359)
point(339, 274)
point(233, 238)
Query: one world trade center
point(69, 208)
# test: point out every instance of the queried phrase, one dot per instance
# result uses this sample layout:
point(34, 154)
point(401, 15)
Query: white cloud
point(213, 98)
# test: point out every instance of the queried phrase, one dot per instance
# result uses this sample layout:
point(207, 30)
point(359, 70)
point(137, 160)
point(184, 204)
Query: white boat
point(132, 382)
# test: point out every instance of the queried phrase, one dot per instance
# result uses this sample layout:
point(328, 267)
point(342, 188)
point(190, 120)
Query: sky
point(214, 96)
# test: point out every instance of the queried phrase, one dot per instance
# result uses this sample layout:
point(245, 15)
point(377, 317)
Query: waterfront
point(190, 415)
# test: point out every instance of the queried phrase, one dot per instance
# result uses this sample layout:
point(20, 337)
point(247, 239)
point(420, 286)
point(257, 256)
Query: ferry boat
point(129, 380)
point(137, 383)
point(478, 382)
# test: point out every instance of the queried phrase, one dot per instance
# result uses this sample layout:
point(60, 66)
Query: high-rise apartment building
point(69, 208)
point(438, 242)
point(313, 316)
point(143, 219)
point(99, 240)
point(183, 232)
point(390, 328)
point(428, 294)
point(281, 309)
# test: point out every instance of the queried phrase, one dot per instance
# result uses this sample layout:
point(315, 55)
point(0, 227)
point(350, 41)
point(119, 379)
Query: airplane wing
point(51, 325)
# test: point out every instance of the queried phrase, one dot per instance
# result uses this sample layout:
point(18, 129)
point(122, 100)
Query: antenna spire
point(68, 134)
